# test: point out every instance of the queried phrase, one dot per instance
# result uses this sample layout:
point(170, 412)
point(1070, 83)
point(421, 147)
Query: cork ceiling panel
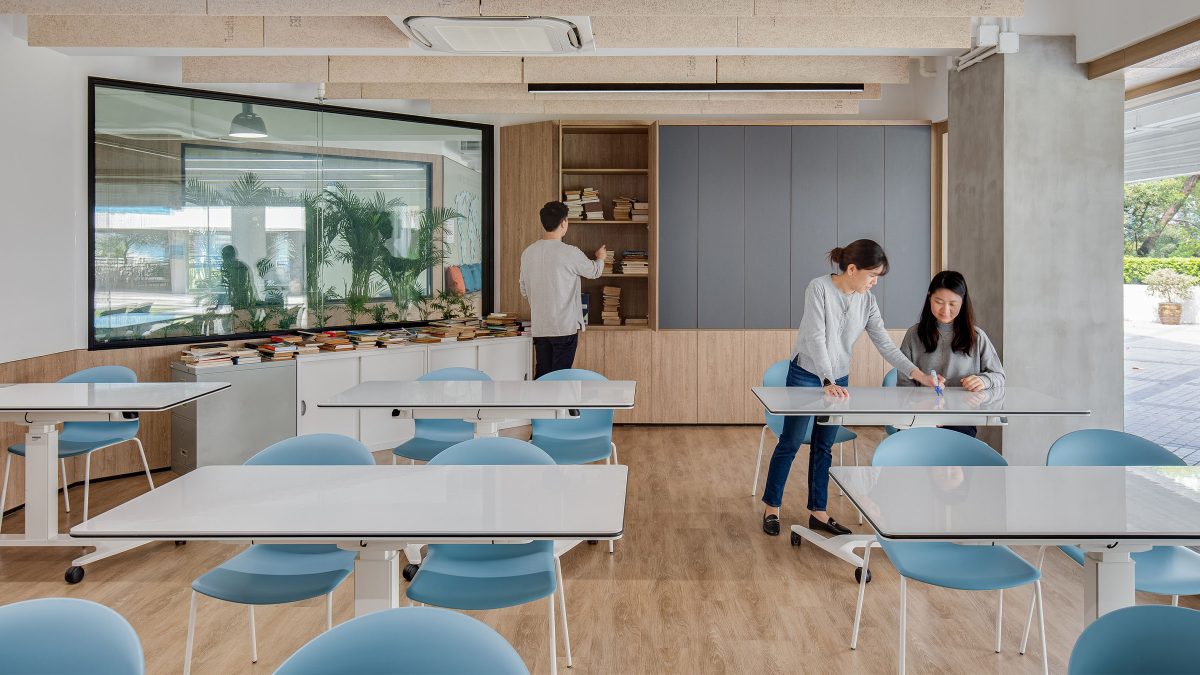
point(290, 69)
point(345, 7)
point(882, 69)
point(894, 8)
point(854, 32)
point(85, 7)
point(494, 69)
point(362, 32)
point(105, 30)
point(663, 32)
point(621, 69)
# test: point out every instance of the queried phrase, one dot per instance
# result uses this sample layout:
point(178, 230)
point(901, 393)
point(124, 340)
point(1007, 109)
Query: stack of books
point(610, 314)
point(610, 258)
point(333, 341)
point(308, 348)
point(592, 210)
point(276, 351)
point(574, 201)
point(364, 339)
point(623, 208)
point(243, 355)
point(207, 355)
point(395, 337)
point(641, 212)
point(499, 324)
point(635, 262)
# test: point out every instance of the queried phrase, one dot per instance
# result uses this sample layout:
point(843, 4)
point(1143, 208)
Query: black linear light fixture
point(246, 124)
point(690, 87)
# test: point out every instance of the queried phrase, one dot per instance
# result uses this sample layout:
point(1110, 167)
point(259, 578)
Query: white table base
point(1108, 580)
point(841, 546)
point(41, 501)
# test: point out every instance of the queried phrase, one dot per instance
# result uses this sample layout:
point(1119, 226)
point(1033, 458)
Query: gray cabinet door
point(768, 227)
point(907, 230)
point(678, 205)
point(814, 194)
point(721, 250)
point(861, 189)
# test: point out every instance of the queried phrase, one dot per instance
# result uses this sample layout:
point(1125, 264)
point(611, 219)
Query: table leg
point(41, 482)
point(1108, 583)
point(376, 580)
point(484, 428)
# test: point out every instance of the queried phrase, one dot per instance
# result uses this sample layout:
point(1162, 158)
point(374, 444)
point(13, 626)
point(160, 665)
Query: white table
point(374, 510)
point(42, 406)
point(903, 407)
point(1110, 512)
point(487, 403)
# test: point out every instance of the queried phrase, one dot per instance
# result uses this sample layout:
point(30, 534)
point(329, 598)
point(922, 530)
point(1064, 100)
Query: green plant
point(287, 317)
point(318, 248)
point(403, 274)
point(445, 303)
point(355, 303)
point(1136, 269)
point(318, 306)
point(381, 314)
point(1170, 285)
point(365, 225)
point(424, 306)
point(466, 305)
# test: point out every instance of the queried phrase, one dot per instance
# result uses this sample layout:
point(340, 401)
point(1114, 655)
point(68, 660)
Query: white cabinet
point(452, 355)
point(378, 429)
point(507, 360)
point(318, 378)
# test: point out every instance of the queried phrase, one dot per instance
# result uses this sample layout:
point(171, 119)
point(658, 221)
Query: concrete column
point(1035, 224)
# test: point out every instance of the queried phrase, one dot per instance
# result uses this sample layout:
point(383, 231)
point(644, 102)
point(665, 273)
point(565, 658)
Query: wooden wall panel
point(528, 179)
point(720, 376)
point(674, 381)
point(867, 367)
point(590, 354)
point(628, 355)
point(763, 347)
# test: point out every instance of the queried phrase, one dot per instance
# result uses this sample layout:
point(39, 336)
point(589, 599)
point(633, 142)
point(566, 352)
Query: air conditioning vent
point(470, 147)
point(496, 35)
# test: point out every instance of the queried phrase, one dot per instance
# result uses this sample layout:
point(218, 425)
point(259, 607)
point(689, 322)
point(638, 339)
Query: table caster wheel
point(74, 574)
point(858, 575)
point(180, 542)
point(592, 542)
point(410, 571)
point(796, 539)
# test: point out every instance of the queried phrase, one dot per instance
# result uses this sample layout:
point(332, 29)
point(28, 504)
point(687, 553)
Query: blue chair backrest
point(590, 423)
point(442, 428)
point(1104, 447)
point(889, 380)
point(67, 636)
point(495, 451)
point(776, 376)
point(96, 431)
point(313, 450)
point(406, 640)
point(1141, 639)
point(931, 446)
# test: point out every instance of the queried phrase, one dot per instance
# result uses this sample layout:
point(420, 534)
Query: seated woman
point(946, 340)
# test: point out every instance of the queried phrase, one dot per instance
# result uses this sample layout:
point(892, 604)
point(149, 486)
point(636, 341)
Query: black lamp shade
point(247, 125)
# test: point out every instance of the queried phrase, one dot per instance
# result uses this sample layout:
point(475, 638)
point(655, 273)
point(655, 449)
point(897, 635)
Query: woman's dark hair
point(552, 215)
point(864, 254)
point(964, 324)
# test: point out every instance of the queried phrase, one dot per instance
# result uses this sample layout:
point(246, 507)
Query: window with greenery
point(218, 216)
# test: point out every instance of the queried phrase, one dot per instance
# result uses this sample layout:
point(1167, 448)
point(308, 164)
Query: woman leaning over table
point(947, 340)
point(837, 309)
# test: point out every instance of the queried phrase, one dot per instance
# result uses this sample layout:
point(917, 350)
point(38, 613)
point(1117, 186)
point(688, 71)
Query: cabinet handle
point(303, 407)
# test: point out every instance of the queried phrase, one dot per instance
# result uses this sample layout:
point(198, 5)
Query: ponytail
point(864, 254)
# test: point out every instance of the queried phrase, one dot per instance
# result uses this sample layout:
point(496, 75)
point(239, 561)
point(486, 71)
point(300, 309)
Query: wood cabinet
point(675, 380)
point(628, 355)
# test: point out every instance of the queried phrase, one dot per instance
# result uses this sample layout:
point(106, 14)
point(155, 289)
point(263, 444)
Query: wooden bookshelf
point(618, 160)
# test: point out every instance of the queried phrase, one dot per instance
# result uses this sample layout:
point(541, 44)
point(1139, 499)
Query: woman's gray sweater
point(954, 366)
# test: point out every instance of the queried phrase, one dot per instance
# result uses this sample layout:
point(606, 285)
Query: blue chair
point(1163, 570)
point(274, 574)
point(434, 436)
point(101, 641)
point(776, 376)
point(491, 576)
point(84, 438)
point(1150, 639)
point(968, 568)
point(423, 640)
point(889, 380)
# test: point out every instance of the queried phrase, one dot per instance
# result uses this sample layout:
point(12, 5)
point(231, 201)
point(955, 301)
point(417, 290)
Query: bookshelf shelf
point(582, 171)
point(574, 221)
point(593, 326)
point(624, 276)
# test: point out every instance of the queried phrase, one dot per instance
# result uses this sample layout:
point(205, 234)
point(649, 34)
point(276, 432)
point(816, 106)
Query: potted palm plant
point(1173, 288)
point(402, 273)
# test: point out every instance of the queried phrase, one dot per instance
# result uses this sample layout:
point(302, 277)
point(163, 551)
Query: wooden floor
point(694, 587)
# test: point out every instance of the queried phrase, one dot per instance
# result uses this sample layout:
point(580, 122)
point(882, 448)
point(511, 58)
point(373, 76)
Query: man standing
point(550, 272)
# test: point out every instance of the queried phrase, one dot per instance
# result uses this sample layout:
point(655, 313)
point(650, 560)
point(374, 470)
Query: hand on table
point(925, 380)
point(973, 383)
point(836, 391)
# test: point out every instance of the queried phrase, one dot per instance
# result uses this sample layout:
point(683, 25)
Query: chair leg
point(862, 592)
point(191, 633)
point(1037, 587)
point(841, 462)
point(903, 618)
point(145, 464)
point(253, 639)
point(553, 644)
point(854, 448)
point(329, 610)
point(762, 435)
point(562, 607)
point(999, 620)
point(1032, 601)
point(1174, 600)
point(393, 459)
point(4, 489)
point(62, 463)
point(614, 453)
point(87, 483)
point(412, 462)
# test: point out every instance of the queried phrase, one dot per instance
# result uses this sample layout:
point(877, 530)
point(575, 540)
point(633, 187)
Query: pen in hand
point(937, 386)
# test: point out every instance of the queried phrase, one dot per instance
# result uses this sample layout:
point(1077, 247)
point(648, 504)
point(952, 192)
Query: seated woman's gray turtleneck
point(954, 366)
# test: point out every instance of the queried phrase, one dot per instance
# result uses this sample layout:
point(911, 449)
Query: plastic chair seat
point(453, 576)
point(966, 568)
point(570, 449)
point(424, 449)
point(267, 574)
point(71, 448)
point(1163, 570)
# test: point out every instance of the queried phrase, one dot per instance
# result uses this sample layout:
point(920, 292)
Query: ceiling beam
point(892, 8)
point(493, 69)
point(850, 32)
point(125, 7)
point(1145, 50)
point(104, 30)
point(362, 32)
point(345, 7)
point(271, 69)
point(882, 69)
point(652, 69)
point(644, 108)
point(450, 91)
point(1163, 85)
point(616, 7)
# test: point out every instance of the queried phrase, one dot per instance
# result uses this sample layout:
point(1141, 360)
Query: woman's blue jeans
point(795, 433)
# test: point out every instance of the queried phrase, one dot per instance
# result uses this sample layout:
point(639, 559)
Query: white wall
point(1104, 26)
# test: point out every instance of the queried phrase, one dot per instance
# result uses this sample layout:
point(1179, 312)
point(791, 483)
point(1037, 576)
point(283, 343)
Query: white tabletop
point(339, 503)
point(1058, 504)
point(486, 394)
point(130, 397)
point(1005, 401)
